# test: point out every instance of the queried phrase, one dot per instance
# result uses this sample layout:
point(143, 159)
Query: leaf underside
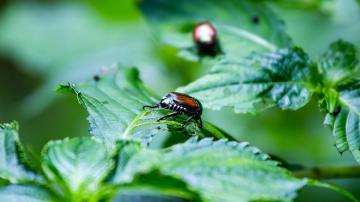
point(340, 70)
point(24, 193)
point(346, 124)
point(13, 164)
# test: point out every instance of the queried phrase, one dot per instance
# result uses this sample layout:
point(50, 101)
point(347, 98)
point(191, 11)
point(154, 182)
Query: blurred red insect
point(206, 39)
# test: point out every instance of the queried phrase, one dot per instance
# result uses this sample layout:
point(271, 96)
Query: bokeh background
point(47, 42)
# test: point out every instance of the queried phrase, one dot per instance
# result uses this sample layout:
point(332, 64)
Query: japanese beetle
point(180, 103)
point(206, 40)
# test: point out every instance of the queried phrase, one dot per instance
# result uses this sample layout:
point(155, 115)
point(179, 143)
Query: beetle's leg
point(201, 125)
point(168, 115)
point(189, 119)
point(151, 107)
point(192, 117)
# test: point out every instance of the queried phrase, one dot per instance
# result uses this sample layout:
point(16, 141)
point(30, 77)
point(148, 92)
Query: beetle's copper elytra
point(180, 103)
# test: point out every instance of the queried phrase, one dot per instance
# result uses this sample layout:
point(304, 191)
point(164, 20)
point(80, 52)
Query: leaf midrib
point(250, 36)
point(349, 106)
point(305, 84)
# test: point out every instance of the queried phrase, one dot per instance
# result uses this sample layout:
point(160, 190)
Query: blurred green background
point(44, 43)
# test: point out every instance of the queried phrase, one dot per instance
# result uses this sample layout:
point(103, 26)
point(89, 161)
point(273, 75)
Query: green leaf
point(339, 63)
point(338, 126)
point(77, 167)
point(334, 188)
point(126, 149)
point(148, 197)
point(346, 124)
point(13, 165)
point(351, 100)
point(155, 187)
point(217, 171)
point(115, 105)
point(242, 26)
point(283, 78)
point(4, 182)
point(353, 134)
point(340, 70)
point(25, 193)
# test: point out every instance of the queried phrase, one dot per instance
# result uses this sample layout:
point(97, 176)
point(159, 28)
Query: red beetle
point(206, 40)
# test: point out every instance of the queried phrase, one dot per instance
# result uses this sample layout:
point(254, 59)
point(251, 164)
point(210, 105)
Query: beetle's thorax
point(166, 100)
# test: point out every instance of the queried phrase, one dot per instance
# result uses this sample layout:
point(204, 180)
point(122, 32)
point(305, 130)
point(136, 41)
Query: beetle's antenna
point(151, 107)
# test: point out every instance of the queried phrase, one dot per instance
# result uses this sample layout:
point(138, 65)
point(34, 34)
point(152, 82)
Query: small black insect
point(255, 19)
point(206, 39)
point(96, 77)
point(181, 104)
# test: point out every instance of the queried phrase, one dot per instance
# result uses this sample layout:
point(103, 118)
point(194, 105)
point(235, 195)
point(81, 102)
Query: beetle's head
point(166, 100)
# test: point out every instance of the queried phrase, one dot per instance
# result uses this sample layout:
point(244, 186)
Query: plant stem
point(329, 172)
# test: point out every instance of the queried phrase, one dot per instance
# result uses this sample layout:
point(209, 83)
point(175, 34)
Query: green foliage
point(82, 169)
point(242, 26)
point(287, 78)
point(78, 166)
point(153, 186)
point(13, 165)
point(341, 73)
point(115, 105)
point(25, 193)
point(219, 170)
point(117, 162)
point(126, 149)
point(338, 125)
point(260, 68)
point(346, 124)
point(89, 169)
point(339, 63)
point(257, 82)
